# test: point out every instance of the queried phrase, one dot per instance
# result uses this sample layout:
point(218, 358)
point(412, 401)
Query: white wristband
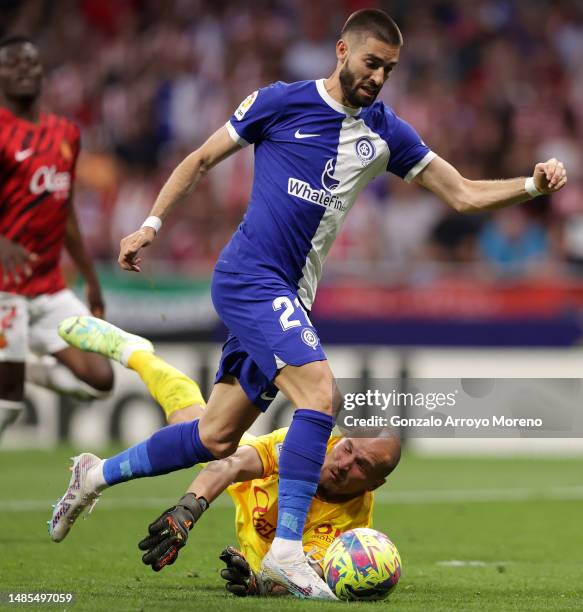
point(154, 222)
point(530, 188)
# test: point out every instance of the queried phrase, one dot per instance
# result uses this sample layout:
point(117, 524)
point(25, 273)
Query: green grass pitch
point(474, 534)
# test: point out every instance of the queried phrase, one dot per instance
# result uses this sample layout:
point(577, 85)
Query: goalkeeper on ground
point(352, 469)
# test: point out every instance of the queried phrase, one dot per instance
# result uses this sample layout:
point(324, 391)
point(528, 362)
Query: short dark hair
point(16, 39)
point(376, 23)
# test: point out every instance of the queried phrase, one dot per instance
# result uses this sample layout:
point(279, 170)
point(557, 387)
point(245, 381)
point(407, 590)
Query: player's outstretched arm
point(465, 195)
point(75, 246)
point(183, 179)
point(243, 465)
point(169, 532)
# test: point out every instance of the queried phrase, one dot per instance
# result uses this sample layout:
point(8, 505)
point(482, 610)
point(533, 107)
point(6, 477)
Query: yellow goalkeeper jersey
point(256, 507)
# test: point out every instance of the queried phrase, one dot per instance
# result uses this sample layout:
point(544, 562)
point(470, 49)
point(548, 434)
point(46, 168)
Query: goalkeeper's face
point(356, 465)
point(365, 64)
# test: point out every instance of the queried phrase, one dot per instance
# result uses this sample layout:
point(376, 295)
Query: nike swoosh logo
point(266, 397)
point(299, 134)
point(22, 155)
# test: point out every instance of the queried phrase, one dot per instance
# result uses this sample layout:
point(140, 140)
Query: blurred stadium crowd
point(491, 85)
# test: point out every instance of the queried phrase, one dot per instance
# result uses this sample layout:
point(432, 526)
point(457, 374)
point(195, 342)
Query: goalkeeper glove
point(169, 532)
point(241, 579)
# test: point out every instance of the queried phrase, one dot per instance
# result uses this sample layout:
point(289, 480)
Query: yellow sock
point(172, 389)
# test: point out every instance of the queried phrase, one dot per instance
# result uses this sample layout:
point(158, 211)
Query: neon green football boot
point(95, 335)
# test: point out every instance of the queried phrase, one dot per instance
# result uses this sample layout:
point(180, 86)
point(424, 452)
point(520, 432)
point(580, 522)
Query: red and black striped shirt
point(37, 169)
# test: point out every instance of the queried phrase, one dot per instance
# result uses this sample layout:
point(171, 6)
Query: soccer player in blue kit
point(317, 145)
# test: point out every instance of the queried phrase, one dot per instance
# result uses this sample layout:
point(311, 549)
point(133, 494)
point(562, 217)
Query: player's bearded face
point(357, 91)
point(366, 67)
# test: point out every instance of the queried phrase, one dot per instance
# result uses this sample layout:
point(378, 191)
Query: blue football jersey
point(313, 156)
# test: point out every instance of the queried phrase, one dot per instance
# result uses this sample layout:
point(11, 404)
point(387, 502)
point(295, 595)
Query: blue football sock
point(300, 463)
point(172, 448)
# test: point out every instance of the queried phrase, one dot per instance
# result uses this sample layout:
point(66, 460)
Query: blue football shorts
point(268, 329)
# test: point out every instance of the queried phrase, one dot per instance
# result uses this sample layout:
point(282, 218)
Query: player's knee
point(103, 380)
point(220, 441)
point(100, 377)
point(220, 449)
point(95, 371)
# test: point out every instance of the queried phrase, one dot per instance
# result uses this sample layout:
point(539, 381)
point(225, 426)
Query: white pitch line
point(384, 497)
point(459, 563)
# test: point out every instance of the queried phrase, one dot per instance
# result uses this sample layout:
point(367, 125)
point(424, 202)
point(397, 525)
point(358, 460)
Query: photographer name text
point(434, 421)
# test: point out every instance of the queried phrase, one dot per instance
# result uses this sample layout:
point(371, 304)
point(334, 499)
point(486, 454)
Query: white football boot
point(297, 576)
point(98, 336)
point(79, 495)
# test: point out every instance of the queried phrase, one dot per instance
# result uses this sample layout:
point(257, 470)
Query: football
point(362, 564)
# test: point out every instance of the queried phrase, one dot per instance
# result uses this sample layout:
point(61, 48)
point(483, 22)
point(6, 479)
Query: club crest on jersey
point(245, 105)
point(310, 338)
point(365, 149)
point(66, 150)
point(328, 180)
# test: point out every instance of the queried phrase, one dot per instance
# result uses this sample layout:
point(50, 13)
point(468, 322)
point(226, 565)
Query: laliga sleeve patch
point(245, 105)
